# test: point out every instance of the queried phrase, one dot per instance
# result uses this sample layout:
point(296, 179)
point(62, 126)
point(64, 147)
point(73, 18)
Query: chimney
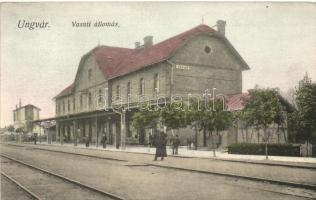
point(16, 106)
point(221, 26)
point(20, 103)
point(137, 45)
point(148, 41)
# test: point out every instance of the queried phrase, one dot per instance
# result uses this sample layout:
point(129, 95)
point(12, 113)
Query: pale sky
point(277, 40)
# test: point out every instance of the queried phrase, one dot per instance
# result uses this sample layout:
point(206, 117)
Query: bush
point(259, 149)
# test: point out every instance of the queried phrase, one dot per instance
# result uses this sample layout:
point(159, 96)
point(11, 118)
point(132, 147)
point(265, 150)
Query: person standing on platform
point(104, 139)
point(175, 145)
point(35, 138)
point(87, 141)
point(160, 142)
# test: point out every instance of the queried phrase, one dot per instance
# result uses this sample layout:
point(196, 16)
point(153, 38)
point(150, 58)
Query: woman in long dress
point(160, 141)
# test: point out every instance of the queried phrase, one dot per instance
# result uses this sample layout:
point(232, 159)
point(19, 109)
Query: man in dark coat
point(151, 138)
point(35, 138)
point(87, 141)
point(175, 144)
point(160, 141)
point(103, 141)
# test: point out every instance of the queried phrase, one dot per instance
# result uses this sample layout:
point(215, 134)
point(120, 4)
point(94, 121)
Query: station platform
point(183, 151)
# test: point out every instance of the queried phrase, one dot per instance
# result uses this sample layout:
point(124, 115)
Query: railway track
point(42, 184)
point(219, 159)
point(266, 180)
point(11, 189)
point(256, 179)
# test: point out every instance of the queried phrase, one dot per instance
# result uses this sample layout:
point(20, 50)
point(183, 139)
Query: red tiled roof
point(139, 58)
point(109, 58)
point(237, 101)
point(115, 61)
point(65, 91)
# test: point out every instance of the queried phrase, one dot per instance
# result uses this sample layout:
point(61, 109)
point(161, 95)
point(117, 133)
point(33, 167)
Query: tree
point(211, 117)
point(263, 110)
point(302, 124)
point(219, 120)
point(145, 118)
point(240, 119)
point(173, 116)
point(11, 128)
point(19, 130)
point(197, 118)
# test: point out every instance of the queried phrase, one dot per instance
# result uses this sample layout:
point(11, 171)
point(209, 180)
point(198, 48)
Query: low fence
point(273, 149)
point(21, 137)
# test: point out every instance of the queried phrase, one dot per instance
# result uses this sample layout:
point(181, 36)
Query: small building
point(23, 117)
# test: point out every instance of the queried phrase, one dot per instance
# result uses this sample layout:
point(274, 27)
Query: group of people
point(160, 140)
point(103, 141)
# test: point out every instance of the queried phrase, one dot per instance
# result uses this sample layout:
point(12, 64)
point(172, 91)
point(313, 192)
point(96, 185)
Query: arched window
point(141, 86)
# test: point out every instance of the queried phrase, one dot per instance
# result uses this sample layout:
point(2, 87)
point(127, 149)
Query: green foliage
point(173, 115)
point(10, 128)
point(144, 119)
point(263, 109)
point(259, 149)
point(210, 116)
point(19, 130)
point(302, 123)
point(177, 115)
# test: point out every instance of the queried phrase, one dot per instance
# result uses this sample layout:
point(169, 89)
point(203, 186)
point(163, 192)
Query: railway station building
point(107, 77)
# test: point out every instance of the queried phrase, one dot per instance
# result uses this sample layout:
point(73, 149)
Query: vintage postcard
point(158, 100)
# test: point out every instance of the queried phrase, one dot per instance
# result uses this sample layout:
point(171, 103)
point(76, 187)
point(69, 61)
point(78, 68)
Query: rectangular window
point(81, 102)
point(118, 92)
point(156, 83)
point(89, 74)
point(100, 96)
point(74, 104)
point(141, 86)
point(129, 90)
point(68, 105)
point(90, 99)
